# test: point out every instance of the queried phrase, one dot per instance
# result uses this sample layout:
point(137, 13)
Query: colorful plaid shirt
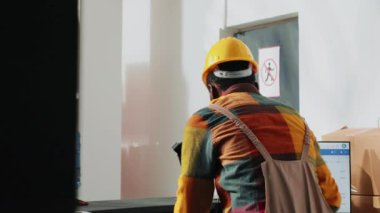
point(216, 153)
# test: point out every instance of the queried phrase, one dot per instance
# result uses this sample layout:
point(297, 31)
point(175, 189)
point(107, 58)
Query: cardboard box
point(365, 164)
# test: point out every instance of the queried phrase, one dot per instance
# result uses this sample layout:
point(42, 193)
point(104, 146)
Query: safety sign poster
point(269, 71)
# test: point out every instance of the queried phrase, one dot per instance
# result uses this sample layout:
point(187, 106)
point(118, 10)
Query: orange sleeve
point(196, 181)
point(326, 181)
point(194, 195)
point(329, 187)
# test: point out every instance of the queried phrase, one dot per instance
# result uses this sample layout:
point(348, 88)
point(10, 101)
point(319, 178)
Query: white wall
point(163, 48)
point(164, 44)
point(153, 97)
point(339, 76)
point(100, 98)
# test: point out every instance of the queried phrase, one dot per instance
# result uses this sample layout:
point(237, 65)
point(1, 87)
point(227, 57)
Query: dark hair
point(225, 83)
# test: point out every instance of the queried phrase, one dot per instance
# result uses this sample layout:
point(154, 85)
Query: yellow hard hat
point(227, 49)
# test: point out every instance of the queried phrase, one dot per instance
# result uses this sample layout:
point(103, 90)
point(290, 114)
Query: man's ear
point(214, 92)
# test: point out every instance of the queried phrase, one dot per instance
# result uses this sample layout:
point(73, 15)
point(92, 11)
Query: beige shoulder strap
point(259, 146)
point(306, 144)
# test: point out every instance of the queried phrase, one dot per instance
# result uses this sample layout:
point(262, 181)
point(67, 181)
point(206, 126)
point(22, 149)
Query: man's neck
point(242, 87)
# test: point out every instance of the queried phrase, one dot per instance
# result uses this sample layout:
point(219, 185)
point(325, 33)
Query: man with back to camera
point(216, 152)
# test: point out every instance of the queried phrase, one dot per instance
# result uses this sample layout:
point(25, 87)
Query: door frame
point(231, 30)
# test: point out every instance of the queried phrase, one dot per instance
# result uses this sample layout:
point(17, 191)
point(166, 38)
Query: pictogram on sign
point(269, 72)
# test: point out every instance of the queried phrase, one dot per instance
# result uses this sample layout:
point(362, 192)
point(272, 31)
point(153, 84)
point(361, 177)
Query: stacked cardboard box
point(365, 166)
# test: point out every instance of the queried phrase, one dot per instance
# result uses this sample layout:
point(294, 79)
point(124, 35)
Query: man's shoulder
point(262, 100)
point(201, 118)
point(203, 113)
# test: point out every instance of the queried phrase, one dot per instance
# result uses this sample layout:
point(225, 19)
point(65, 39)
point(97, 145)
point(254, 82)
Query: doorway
point(280, 38)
